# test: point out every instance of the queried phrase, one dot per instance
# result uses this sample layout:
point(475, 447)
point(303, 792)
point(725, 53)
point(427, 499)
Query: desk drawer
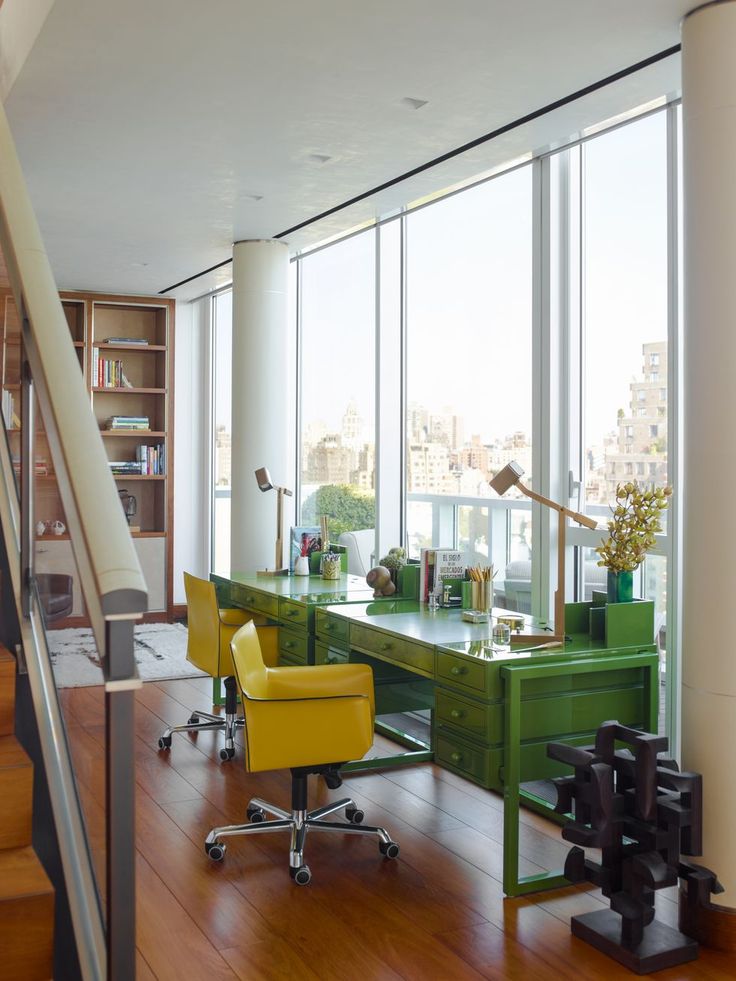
point(331, 629)
point(327, 654)
point(470, 761)
point(253, 599)
point(416, 657)
point(463, 673)
point(476, 720)
point(293, 646)
point(292, 613)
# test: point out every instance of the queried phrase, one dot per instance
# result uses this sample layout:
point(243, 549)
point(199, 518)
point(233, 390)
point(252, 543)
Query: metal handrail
point(111, 579)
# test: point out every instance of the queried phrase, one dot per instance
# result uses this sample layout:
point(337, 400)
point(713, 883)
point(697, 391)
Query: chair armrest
point(319, 681)
point(233, 617)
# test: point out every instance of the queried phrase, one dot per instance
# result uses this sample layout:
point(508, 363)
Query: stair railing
point(110, 576)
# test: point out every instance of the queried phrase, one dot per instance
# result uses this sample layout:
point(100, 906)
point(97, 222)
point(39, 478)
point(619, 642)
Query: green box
point(315, 558)
point(408, 581)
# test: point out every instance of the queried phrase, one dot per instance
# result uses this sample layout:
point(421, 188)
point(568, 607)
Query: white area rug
point(160, 653)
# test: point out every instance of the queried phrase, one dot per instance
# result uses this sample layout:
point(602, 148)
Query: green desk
point(492, 710)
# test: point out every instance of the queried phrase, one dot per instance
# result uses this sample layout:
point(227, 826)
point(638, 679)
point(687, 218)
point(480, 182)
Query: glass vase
point(620, 587)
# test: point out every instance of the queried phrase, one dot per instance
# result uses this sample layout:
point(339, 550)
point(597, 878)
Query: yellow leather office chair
point(311, 720)
point(208, 647)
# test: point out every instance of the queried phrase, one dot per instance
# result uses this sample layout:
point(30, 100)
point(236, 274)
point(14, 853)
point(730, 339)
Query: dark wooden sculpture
point(642, 813)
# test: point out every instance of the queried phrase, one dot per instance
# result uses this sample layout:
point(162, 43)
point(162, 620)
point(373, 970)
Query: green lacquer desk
point(492, 710)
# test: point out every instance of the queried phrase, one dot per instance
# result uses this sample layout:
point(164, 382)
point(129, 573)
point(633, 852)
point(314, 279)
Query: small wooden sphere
point(380, 579)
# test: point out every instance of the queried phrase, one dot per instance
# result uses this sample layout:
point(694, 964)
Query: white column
point(262, 374)
point(709, 546)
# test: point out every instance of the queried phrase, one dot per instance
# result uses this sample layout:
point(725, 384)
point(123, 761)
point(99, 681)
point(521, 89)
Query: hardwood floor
point(437, 912)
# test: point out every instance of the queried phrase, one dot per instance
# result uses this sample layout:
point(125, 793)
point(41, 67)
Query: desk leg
point(513, 884)
point(217, 697)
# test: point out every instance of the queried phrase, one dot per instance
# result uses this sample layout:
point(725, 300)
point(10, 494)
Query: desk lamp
point(510, 476)
point(265, 483)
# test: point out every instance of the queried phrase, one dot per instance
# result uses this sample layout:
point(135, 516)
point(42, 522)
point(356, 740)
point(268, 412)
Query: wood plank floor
point(437, 912)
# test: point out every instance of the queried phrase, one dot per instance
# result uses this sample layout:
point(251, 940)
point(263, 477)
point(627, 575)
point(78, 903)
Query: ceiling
point(153, 135)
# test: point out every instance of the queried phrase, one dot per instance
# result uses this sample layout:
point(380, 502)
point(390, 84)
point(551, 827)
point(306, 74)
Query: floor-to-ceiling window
point(222, 345)
point(623, 425)
point(469, 372)
point(337, 372)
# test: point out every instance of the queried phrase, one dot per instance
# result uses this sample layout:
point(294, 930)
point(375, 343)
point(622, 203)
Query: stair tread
point(5, 656)
point(12, 753)
point(21, 874)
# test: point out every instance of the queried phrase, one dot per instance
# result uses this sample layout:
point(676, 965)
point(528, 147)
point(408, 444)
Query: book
point(140, 341)
point(304, 540)
point(436, 565)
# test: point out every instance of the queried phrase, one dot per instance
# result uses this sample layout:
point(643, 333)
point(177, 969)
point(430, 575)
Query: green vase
point(620, 587)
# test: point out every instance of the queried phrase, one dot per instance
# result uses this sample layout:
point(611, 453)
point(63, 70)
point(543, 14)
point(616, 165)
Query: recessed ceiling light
point(410, 103)
point(253, 197)
point(318, 158)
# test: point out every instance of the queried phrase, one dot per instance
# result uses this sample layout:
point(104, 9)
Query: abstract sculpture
point(642, 813)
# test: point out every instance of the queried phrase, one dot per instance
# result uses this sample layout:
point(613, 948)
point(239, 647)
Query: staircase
point(26, 895)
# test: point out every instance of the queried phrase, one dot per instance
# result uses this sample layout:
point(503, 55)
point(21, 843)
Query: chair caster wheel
point(226, 754)
point(215, 850)
point(164, 742)
point(255, 815)
point(192, 720)
point(302, 875)
point(389, 849)
point(354, 815)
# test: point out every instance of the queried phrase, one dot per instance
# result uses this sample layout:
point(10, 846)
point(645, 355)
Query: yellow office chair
point(208, 647)
point(311, 720)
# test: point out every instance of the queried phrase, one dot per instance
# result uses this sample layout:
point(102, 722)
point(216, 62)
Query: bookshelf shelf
point(130, 433)
point(130, 391)
point(138, 348)
point(139, 476)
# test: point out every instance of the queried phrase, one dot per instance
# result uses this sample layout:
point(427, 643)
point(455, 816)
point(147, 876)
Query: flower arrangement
point(634, 523)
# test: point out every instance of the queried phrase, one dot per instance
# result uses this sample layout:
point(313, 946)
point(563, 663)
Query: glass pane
point(625, 314)
point(222, 411)
point(469, 360)
point(338, 386)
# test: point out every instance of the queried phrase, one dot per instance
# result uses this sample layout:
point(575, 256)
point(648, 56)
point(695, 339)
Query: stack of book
point(107, 373)
point(125, 467)
point(41, 469)
point(134, 423)
point(8, 409)
point(436, 565)
point(152, 459)
point(139, 341)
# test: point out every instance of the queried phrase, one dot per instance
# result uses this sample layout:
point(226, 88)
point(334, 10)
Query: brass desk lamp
point(265, 483)
point(510, 476)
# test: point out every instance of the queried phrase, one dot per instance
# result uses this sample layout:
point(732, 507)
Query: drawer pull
point(332, 660)
point(386, 647)
point(456, 757)
point(329, 627)
point(288, 644)
point(456, 713)
point(292, 613)
point(457, 669)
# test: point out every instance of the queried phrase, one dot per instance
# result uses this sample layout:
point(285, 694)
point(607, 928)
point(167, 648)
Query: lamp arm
point(581, 519)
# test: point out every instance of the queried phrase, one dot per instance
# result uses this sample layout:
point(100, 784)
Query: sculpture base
point(661, 947)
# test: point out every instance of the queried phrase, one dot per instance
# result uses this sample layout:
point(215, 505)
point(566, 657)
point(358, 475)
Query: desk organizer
point(616, 624)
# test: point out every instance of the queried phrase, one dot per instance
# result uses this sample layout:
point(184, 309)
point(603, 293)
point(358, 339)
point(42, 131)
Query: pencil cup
point(330, 565)
point(466, 593)
point(482, 596)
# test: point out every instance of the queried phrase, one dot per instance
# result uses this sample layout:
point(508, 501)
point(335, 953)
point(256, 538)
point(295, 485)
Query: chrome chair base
point(207, 722)
point(298, 822)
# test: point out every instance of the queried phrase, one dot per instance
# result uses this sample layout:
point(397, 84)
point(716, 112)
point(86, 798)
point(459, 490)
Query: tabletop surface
point(308, 589)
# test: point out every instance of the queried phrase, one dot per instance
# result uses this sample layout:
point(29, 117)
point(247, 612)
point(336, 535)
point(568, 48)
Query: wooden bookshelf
point(97, 323)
